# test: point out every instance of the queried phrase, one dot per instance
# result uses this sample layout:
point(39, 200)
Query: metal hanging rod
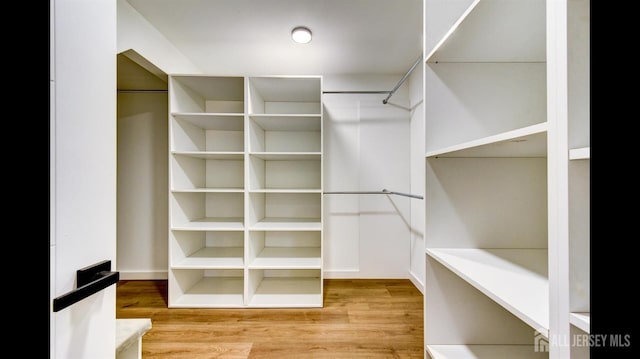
point(419, 60)
point(384, 191)
point(389, 93)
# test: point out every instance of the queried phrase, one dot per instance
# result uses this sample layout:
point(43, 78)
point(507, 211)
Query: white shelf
point(285, 95)
point(213, 121)
point(287, 156)
point(583, 153)
point(288, 258)
point(212, 224)
point(206, 94)
point(210, 155)
point(530, 141)
point(208, 190)
point(287, 224)
point(213, 292)
point(287, 122)
point(484, 352)
point(495, 31)
point(213, 258)
point(285, 191)
point(207, 135)
point(514, 278)
point(581, 320)
point(287, 292)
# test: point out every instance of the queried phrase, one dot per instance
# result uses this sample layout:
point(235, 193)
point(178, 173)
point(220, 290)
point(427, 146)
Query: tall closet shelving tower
point(572, 55)
point(284, 197)
point(245, 191)
point(506, 207)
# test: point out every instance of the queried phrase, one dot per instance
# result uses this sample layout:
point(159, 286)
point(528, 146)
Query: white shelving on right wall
point(507, 273)
point(578, 128)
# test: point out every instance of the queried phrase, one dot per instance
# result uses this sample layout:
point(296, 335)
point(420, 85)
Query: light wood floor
point(361, 318)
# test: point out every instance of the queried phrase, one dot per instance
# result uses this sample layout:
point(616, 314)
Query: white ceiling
point(253, 36)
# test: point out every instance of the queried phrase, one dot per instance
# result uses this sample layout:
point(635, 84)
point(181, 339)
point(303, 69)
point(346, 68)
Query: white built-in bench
point(129, 334)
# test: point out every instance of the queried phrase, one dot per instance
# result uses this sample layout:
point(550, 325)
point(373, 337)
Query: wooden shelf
point(495, 31)
point(484, 352)
point(583, 153)
point(288, 258)
point(213, 258)
point(212, 224)
point(514, 278)
point(530, 141)
point(581, 320)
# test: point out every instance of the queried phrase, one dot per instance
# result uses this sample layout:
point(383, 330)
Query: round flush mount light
point(301, 34)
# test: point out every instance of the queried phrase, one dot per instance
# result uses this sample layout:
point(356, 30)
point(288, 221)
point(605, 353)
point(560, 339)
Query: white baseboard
point(357, 274)
point(417, 282)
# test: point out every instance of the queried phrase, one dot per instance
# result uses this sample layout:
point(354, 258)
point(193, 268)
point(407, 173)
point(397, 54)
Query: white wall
point(417, 267)
point(143, 150)
point(136, 33)
point(366, 147)
point(82, 172)
point(142, 185)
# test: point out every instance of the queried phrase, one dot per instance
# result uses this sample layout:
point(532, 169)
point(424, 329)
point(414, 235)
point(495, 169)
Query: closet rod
point(404, 78)
point(384, 191)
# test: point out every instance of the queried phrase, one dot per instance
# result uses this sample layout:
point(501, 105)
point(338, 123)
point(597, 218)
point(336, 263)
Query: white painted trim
point(417, 282)
point(342, 273)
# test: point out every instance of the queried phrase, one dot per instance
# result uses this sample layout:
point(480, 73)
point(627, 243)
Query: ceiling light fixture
point(301, 34)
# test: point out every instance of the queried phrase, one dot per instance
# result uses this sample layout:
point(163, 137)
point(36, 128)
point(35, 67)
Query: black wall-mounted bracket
point(89, 280)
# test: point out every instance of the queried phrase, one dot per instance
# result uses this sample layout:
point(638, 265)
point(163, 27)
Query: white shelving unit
point(245, 191)
point(581, 320)
point(484, 352)
point(583, 153)
point(507, 177)
point(285, 192)
point(487, 283)
point(514, 278)
point(577, 122)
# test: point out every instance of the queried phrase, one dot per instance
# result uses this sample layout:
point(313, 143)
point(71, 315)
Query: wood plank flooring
point(361, 318)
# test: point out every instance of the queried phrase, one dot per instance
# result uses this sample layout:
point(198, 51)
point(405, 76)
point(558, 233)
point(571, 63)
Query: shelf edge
point(501, 137)
point(581, 320)
point(583, 153)
point(451, 30)
point(532, 322)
